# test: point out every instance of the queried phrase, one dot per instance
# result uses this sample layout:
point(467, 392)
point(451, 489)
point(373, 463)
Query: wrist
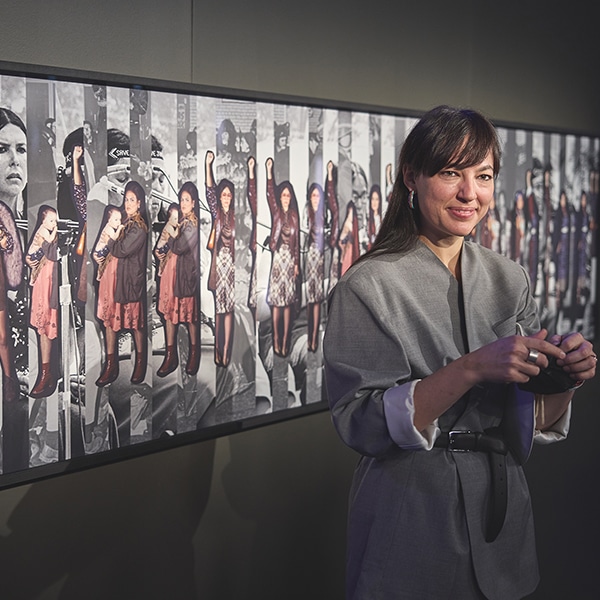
point(576, 385)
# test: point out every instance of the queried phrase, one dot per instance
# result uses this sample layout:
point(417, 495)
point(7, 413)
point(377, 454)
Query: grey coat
point(417, 517)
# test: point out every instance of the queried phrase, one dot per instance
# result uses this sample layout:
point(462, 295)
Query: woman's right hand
point(506, 359)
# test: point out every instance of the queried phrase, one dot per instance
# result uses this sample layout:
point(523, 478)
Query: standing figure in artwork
point(348, 240)
point(284, 243)
point(42, 257)
point(221, 243)
point(374, 219)
point(13, 179)
point(315, 253)
point(252, 200)
point(561, 243)
point(121, 302)
point(533, 232)
point(519, 228)
point(178, 251)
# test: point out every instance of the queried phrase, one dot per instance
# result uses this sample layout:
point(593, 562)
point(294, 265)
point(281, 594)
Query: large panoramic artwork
point(165, 257)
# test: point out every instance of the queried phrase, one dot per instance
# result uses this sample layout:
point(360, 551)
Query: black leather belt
point(476, 441)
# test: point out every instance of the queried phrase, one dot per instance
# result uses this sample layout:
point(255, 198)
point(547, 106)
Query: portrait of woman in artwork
point(221, 280)
point(314, 262)
point(178, 296)
point(42, 258)
point(438, 388)
point(121, 292)
point(13, 179)
point(284, 243)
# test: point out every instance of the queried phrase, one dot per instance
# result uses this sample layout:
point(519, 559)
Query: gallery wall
point(260, 514)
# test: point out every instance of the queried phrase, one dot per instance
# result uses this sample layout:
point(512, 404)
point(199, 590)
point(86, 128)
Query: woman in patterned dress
point(285, 265)
point(221, 280)
point(315, 255)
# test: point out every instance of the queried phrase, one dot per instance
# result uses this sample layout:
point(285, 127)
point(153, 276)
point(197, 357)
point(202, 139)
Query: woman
point(561, 244)
point(178, 295)
point(421, 342)
point(13, 179)
point(348, 240)
point(374, 220)
point(314, 266)
point(42, 258)
point(284, 243)
point(221, 279)
point(252, 204)
point(121, 300)
point(519, 228)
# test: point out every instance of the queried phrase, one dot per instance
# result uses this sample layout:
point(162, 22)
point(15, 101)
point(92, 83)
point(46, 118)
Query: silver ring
point(594, 357)
point(532, 356)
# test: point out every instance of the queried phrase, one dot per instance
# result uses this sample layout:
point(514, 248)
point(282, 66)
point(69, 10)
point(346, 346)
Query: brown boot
point(170, 362)
point(110, 371)
point(139, 368)
point(193, 361)
point(46, 383)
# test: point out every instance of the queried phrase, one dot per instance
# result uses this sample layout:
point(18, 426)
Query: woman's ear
point(409, 177)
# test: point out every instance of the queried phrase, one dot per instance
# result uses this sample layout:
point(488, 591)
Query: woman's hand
point(31, 263)
point(512, 359)
point(580, 360)
point(269, 166)
point(77, 153)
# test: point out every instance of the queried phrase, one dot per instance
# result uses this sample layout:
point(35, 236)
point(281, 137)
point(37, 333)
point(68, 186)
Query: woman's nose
point(468, 190)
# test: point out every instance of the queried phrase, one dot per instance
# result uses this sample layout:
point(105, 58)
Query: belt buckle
point(453, 438)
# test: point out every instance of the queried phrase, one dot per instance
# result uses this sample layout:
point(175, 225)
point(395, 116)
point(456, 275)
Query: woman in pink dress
point(121, 297)
point(42, 258)
point(178, 298)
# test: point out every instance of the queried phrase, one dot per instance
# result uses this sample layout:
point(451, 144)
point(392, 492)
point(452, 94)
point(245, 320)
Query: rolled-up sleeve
point(399, 409)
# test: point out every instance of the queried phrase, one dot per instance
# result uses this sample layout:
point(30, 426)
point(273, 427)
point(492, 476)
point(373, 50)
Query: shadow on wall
point(120, 531)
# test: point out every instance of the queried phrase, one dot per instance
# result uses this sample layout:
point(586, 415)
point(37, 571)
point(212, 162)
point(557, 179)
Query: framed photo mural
point(167, 250)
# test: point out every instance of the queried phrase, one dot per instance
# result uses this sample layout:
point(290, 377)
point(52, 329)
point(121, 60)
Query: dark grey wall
point(261, 514)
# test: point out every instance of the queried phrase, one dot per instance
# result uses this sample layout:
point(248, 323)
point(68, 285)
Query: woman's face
point(286, 198)
point(375, 202)
point(453, 201)
point(226, 197)
point(132, 204)
point(186, 204)
point(13, 161)
point(114, 220)
point(315, 199)
point(49, 221)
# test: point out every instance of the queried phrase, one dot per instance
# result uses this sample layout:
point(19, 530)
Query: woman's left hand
point(581, 359)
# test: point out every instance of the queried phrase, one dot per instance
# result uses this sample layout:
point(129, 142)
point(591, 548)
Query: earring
point(411, 199)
